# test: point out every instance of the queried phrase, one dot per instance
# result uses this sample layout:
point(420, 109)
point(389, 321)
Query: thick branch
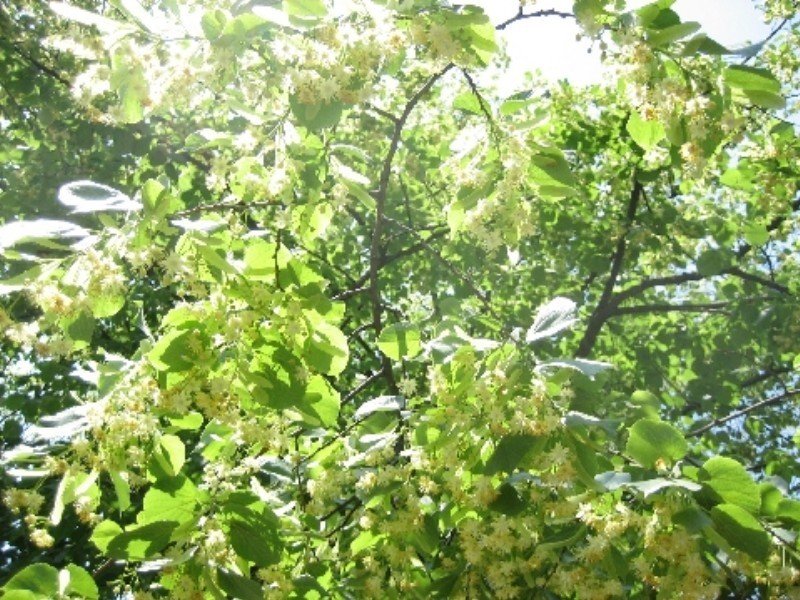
point(605, 305)
point(743, 411)
point(737, 272)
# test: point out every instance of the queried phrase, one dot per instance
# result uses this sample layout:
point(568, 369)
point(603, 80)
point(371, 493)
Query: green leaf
point(508, 501)
point(326, 348)
point(173, 351)
point(511, 451)
point(81, 583)
point(320, 404)
point(515, 103)
point(305, 9)
point(103, 533)
point(169, 500)
point(122, 489)
point(79, 329)
point(170, 454)
point(756, 234)
point(401, 340)
point(788, 509)
point(39, 579)
point(468, 102)
point(212, 23)
point(693, 519)
point(673, 33)
point(771, 497)
point(646, 134)
point(130, 83)
point(738, 179)
point(565, 537)
point(188, 422)
point(106, 305)
point(140, 542)
point(254, 535)
point(712, 262)
point(652, 441)
point(240, 588)
point(152, 193)
point(480, 40)
point(754, 85)
point(766, 99)
point(657, 14)
point(704, 45)
point(741, 530)
point(550, 171)
point(751, 79)
point(730, 483)
point(316, 116)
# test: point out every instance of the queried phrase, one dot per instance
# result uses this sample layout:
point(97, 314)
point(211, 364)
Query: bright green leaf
point(651, 442)
point(646, 134)
point(399, 341)
point(731, 483)
point(81, 583)
point(39, 579)
point(741, 530)
point(170, 500)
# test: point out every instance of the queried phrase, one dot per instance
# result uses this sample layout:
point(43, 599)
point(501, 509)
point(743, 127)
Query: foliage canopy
point(316, 313)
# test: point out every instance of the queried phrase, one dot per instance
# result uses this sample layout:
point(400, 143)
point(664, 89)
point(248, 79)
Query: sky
point(549, 44)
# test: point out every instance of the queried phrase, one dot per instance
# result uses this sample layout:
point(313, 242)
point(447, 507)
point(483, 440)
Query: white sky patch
point(548, 44)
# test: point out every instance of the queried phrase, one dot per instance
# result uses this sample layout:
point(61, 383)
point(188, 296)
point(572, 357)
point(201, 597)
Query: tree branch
point(656, 308)
point(771, 226)
point(225, 205)
point(484, 106)
point(744, 411)
point(38, 65)
point(764, 376)
point(520, 16)
point(737, 272)
point(605, 305)
point(375, 253)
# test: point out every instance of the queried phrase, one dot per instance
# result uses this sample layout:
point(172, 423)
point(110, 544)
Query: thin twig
point(656, 308)
point(380, 195)
point(225, 205)
point(520, 16)
point(362, 386)
point(743, 411)
point(484, 105)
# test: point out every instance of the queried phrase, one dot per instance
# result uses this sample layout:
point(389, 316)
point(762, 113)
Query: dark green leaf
point(511, 451)
point(240, 588)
